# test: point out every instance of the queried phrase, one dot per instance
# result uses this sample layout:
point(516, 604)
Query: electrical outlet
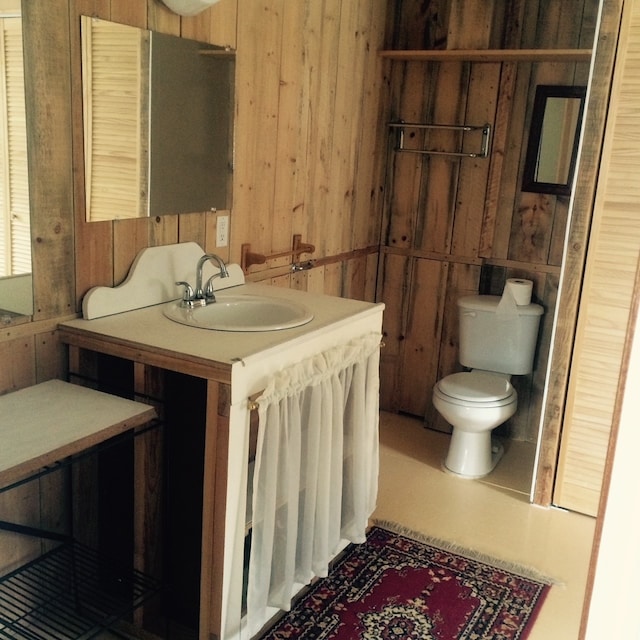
point(222, 231)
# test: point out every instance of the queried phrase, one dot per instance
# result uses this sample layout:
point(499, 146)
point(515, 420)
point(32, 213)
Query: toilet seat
point(477, 388)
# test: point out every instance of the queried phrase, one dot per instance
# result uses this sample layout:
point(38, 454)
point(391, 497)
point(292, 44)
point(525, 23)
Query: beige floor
point(491, 516)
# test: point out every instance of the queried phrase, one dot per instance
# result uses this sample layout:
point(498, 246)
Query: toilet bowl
point(474, 403)
point(495, 343)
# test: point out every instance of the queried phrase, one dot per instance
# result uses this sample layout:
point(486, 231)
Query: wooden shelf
point(490, 55)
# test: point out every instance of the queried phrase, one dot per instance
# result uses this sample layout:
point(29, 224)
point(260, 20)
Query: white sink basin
point(242, 313)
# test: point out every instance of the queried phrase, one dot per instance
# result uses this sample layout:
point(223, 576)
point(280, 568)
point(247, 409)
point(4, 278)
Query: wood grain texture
point(47, 87)
point(482, 55)
point(306, 154)
point(472, 211)
point(608, 289)
point(310, 111)
point(214, 502)
point(149, 486)
point(578, 233)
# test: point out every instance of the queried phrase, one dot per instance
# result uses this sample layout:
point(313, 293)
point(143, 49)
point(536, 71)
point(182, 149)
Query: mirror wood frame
point(530, 182)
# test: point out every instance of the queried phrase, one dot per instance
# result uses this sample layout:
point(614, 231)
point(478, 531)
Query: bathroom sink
point(242, 313)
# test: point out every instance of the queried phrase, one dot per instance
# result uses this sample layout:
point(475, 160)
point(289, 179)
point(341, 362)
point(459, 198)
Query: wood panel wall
point(308, 93)
point(307, 96)
point(307, 155)
point(460, 226)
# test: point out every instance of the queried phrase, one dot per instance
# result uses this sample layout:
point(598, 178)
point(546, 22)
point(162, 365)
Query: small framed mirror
point(553, 140)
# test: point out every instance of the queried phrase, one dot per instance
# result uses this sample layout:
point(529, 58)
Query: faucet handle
point(187, 295)
point(209, 293)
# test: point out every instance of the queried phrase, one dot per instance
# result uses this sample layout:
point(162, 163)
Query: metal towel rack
point(484, 142)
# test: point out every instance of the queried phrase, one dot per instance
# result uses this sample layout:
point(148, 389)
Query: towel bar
point(484, 143)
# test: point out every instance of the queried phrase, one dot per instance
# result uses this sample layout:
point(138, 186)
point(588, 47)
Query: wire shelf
point(69, 592)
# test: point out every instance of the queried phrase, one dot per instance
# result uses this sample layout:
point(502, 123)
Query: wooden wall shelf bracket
point(248, 258)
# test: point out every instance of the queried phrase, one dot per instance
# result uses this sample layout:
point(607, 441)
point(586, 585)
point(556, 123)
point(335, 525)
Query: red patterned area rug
point(395, 587)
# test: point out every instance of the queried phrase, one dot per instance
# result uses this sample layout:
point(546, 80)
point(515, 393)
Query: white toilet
point(495, 345)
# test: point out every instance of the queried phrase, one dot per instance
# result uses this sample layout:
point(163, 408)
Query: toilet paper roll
point(520, 290)
point(517, 293)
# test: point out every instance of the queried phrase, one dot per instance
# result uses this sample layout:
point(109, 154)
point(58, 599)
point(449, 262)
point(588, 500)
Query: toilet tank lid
point(490, 304)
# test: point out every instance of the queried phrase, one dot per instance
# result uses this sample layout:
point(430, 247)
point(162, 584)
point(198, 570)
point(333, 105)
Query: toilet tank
point(504, 342)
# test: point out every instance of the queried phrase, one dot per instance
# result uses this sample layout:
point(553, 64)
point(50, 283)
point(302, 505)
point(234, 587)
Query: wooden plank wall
point(459, 226)
point(308, 133)
point(308, 127)
point(307, 161)
point(307, 87)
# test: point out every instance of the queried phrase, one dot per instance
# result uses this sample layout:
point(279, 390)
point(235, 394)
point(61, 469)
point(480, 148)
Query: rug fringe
point(512, 567)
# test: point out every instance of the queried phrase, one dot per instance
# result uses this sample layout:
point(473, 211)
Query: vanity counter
point(147, 336)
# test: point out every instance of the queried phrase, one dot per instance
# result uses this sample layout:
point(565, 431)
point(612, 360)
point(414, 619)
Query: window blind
point(15, 236)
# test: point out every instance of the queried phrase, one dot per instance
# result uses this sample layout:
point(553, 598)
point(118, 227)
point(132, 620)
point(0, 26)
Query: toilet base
point(472, 455)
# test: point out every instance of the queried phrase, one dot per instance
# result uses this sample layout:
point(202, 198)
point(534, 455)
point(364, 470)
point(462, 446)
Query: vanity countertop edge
point(146, 335)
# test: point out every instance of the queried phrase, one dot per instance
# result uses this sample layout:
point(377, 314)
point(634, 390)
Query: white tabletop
point(42, 424)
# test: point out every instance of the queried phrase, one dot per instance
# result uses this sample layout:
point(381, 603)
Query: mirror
point(553, 140)
point(158, 122)
point(16, 293)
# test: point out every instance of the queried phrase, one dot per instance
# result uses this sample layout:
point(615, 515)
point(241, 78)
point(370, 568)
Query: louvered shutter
point(115, 127)
point(15, 236)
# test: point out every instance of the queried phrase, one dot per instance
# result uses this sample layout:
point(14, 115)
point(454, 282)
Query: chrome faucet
point(208, 291)
point(200, 297)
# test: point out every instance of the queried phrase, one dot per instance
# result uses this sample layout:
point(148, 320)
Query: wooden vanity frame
point(148, 459)
point(200, 413)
